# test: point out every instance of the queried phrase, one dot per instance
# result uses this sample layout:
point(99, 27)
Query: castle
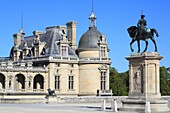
point(52, 60)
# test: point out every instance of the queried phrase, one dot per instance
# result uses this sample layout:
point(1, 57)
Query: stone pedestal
point(144, 83)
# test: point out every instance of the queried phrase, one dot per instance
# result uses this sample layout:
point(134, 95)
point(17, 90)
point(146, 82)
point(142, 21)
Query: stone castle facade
point(51, 59)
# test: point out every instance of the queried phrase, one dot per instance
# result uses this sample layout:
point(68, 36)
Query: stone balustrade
point(22, 91)
point(105, 93)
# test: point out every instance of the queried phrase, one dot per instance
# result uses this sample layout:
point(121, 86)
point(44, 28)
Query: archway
point(20, 81)
point(2, 81)
point(38, 82)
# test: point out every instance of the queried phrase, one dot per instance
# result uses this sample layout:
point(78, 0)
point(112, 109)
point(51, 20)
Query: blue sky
point(113, 18)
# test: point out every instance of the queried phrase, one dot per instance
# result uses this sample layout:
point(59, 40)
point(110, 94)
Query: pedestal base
point(144, 84)
point(138, 105)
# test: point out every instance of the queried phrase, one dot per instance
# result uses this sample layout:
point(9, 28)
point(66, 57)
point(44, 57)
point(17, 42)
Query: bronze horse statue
point(144, 35)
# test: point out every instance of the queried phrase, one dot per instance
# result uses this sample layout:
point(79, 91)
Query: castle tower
point(93, 68)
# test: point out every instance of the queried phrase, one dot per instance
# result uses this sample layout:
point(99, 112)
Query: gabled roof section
point(51, 38)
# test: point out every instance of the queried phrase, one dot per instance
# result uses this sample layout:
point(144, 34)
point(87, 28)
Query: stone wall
point(85, 99)
point(22, 101)
point(82, 99)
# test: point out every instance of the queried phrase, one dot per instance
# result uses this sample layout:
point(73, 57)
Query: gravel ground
point(55, 108)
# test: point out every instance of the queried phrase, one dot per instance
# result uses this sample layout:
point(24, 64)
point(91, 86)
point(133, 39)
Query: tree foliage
point(118, 82)
point(164, 80)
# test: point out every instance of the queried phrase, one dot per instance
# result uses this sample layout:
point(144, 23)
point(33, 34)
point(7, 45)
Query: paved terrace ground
point(55, 108)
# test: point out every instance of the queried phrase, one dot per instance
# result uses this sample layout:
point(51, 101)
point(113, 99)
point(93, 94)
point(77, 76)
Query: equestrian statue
point(140, 32)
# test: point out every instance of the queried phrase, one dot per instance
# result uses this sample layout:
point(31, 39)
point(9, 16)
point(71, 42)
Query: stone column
point(130, 80)
point(6, 85)
point(145, 79)
point(157, 80)
point(44, 87)
point(26, 85)
point(9, 84)
point(30, 84)
point(107, 79)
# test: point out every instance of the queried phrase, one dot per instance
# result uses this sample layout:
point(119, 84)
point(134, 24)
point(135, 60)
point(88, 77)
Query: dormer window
point(63, 50)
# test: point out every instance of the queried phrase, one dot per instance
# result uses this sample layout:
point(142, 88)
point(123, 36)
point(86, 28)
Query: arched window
point(20, 81)
point(2, 81)
point(38, 82)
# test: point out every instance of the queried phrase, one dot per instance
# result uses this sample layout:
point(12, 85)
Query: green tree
point(118, 82)
point(125, 77)
point(164, 82)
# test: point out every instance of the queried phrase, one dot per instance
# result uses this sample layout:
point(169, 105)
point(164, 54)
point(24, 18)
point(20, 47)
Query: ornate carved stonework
point(137, 81)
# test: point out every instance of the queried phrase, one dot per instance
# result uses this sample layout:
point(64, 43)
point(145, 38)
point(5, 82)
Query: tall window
point(57, 82)
point(103, 81)
point(103, 52)
point(63, 50)
point(71, 82)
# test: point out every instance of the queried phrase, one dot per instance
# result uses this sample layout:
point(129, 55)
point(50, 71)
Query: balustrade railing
point(94, 59)
point(2, 90)
point(105, 93)
point(21, 91)
point(38, 90)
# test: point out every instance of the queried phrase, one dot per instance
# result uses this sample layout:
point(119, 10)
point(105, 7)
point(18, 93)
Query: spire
point(92, 6)
point(22, 28)
point(92, 18)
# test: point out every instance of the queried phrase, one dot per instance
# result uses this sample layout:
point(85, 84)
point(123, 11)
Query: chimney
point(36, 32)
point(17, 39)
point(71, 34)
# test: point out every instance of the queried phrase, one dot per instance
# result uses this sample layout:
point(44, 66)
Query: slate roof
point(50, 38)
point(90, 39)
point(4, 59)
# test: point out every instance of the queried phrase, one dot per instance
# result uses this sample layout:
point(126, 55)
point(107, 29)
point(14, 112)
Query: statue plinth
point(144, 75)
point(144, 83)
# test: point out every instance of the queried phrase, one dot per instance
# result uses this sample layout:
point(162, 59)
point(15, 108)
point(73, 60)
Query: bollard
point(147, 107)
point(103, 108)
point(114, 105)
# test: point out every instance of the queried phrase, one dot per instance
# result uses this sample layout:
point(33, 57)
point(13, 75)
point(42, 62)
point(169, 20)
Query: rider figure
point(141, 25)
